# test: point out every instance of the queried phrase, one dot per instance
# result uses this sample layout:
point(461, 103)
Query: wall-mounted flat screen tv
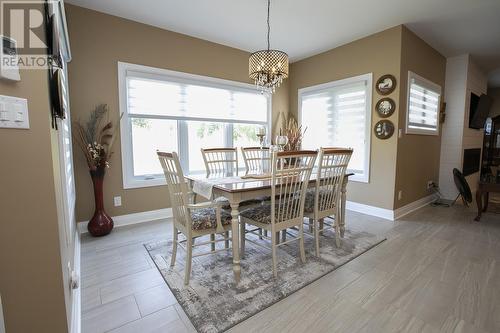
point(479, 110)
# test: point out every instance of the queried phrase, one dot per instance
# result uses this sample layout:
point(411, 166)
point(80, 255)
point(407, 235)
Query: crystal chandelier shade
point(268, 68)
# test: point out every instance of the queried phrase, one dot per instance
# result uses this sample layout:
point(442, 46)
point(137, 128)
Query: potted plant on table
point(95, 139)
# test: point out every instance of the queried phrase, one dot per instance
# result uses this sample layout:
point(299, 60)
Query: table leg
point(342, 208)
point(479, 195)
point(235, 241)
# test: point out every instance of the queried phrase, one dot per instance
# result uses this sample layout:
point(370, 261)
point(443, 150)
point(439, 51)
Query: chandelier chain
point(268, 24)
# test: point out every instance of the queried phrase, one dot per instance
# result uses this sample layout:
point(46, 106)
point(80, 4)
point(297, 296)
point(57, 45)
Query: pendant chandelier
point(268, 68)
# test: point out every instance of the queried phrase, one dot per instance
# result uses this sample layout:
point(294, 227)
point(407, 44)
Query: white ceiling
point(306, 27)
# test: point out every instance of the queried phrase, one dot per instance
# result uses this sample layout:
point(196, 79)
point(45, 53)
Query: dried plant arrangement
point(95, 137)
point(295, 134)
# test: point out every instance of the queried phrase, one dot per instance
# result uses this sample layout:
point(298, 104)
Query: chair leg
point(277, 237)
point(321, 224)
point(316, 237)
point(212, 239)
point(174, 247)
point(311, 222)
point(265, 233)
point(242, 239)
point(301, 244)
point(283, 235)
point(189, 257)
point(260, 233)
point(337, 231)
point(274, 244)
point(226, 242)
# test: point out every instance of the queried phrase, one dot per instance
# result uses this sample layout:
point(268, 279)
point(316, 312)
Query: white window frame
point(430, 86)
point(365, 177)
point(131, 181)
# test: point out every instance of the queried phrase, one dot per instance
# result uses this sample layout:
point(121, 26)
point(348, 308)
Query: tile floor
point(436, 272)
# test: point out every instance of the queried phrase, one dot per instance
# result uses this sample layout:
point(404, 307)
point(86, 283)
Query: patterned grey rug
point(214, 303)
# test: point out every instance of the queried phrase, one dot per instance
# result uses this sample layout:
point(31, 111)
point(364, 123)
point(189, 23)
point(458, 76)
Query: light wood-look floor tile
point(437, 272)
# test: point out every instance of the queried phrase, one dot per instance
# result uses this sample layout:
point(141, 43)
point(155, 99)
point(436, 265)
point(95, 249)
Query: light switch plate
point(14, 112)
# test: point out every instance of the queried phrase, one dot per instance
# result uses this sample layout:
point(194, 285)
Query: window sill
point(417, 132)
point(142, 183)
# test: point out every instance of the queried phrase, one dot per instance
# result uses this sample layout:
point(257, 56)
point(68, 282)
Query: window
point(423, 106)
point(337, 114)
point(173, 111)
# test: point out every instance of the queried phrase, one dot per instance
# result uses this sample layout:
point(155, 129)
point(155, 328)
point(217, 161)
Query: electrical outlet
point(430, 184)
point(117, 201)
point(400, 194)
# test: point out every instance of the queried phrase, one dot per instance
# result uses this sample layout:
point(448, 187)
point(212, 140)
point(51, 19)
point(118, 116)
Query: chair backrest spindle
point(332, 168)
point(291, 172)
point(257, 160)
point(177, 187)
point(220, 161)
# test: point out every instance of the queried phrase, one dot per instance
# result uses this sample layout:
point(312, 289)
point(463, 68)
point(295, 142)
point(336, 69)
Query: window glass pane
point(336, 117)
point(149, 135)
point(203, 135)
point(245, 135)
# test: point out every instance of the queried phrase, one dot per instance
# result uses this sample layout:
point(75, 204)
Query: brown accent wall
point(378, 54)
point(417, 155)
point(98, 42)
point(31, 278)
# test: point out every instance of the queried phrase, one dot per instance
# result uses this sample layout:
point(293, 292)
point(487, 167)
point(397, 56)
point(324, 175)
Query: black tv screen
point(479, 110)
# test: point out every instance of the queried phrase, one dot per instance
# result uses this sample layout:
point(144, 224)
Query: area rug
point(214, 302)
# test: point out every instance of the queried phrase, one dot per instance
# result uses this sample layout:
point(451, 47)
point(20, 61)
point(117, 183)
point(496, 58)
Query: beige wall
point(31, 279)
point(378, 54)
point(418, 155)
point(98, 42)
point(495, 107)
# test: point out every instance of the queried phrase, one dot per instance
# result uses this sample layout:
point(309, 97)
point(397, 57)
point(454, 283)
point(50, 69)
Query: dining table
point(237, 189)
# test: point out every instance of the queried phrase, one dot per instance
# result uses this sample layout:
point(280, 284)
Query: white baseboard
point(2, 324)
point(370, 210)
point(411, 207)
point(76, 311)
point(134, 218)
point(389, 214)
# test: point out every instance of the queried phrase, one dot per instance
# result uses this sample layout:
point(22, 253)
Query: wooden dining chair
point(220, 161)
point(324, 199)
point(290, 174)
point(257, 160)
point(192, 220)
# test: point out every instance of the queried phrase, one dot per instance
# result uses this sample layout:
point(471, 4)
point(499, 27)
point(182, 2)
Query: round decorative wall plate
point(385, 107)
point(384, 129)
point(386, 84)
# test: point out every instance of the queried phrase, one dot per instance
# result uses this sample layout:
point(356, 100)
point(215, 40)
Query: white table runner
point(204, 186)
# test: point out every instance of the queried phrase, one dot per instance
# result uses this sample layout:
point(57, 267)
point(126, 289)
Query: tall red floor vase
point(101, 223)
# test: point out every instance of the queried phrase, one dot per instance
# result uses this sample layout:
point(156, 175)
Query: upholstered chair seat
point(310, 197)
point(226, 205)
point(206, 218)
point(261, 214)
